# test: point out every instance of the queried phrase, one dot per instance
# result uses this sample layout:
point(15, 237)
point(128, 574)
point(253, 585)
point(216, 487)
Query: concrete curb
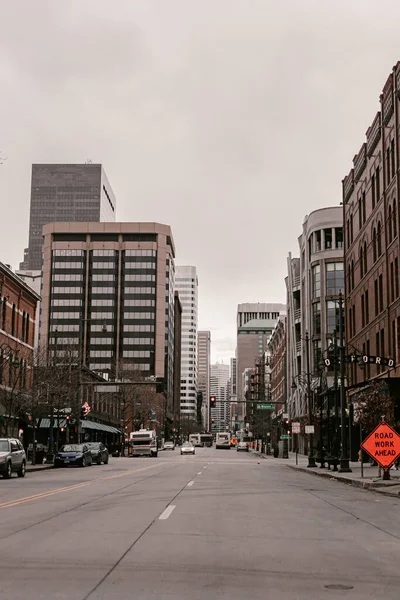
point(32, 469)
point(366, 485)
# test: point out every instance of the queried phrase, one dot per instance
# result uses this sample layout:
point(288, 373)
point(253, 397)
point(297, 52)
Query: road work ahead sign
point(383, 444)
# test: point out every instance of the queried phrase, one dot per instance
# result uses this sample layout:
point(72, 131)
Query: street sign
point(285, 437)
point(266, 406)
point(309, 428)
point(296, 427)
point(383, 445)
point(285, 416)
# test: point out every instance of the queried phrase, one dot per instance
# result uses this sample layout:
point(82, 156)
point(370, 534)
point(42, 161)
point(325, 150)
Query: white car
point(187, 448)
point(169, 446)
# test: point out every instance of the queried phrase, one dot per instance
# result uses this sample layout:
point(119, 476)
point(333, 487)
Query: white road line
point(200, 472)
point(190, 483)
point(167, 512)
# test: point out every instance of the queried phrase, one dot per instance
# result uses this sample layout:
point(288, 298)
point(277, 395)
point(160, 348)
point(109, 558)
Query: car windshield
point(93, 445)
point(72, 448)
point(186, 445)
point(3, 446)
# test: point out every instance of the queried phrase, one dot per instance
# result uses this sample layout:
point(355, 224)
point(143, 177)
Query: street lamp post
point(311, 459)
point(344, 459)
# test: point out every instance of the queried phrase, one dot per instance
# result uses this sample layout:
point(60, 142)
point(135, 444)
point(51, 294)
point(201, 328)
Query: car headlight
point(2, 459)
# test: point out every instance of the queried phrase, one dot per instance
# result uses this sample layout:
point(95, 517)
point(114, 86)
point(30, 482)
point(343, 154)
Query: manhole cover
point(338, 586)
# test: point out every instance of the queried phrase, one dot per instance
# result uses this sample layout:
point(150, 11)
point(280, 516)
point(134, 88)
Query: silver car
point(12, 458)
point(187, 448)
point(242, 447)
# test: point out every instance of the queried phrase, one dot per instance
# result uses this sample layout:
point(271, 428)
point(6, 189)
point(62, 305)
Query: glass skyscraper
point(73, 193)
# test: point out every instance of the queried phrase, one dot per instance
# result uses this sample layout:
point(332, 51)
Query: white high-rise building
point(187, 285)
point(219, 388)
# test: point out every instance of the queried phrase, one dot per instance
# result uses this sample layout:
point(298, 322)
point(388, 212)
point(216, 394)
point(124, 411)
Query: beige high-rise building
point(203, 374)
point(108, 290)
point(255, 324)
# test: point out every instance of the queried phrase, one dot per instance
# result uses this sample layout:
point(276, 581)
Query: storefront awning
point(45, 424)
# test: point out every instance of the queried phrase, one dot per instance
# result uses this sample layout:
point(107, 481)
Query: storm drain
point(338, 586)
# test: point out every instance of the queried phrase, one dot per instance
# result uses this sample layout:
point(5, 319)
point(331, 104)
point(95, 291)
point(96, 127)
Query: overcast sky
point(230, 120)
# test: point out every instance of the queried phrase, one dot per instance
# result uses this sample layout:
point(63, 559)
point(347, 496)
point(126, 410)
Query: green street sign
point(265, 406)
point(285, 437)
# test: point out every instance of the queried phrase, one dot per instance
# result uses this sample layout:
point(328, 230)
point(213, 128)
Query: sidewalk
point(370, 480)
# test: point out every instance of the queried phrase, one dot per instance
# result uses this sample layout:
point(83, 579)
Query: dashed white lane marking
point(190, 483)
point(200, 472)
point(167, 512)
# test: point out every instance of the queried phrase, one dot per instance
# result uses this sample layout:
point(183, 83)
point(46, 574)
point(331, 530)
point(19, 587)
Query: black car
point(73, 454)
point(99, 452)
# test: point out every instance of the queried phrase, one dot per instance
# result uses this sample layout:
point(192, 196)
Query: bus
point(206, 439)
point(223, 440)
point(194, 438)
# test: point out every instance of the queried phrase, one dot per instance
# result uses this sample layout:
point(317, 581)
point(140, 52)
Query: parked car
point(169, 446)
point(12, 458)
point(242, 447)
point(99, 452)
point(187, 448)
point(73, 454)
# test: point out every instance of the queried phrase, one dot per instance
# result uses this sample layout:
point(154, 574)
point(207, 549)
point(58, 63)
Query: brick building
point(371, 219)
point(277, 349)
point(17, 334)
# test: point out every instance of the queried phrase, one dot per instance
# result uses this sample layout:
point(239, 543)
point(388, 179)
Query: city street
point(220, 524)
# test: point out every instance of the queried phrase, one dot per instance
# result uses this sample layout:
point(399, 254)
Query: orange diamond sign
point(383, 444)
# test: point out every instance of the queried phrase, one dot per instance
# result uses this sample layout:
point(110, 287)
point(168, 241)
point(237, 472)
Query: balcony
point(297, 315)
point(298, 348)
point(296, 282)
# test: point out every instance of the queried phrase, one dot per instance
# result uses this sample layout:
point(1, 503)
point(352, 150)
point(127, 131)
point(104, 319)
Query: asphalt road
point(217, 525)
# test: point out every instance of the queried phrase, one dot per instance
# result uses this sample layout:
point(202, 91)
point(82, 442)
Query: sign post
point(383, 445)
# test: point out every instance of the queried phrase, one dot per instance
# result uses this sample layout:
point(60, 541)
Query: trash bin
point(276, 451)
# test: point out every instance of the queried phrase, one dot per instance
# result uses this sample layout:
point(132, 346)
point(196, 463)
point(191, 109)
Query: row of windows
point(101, 341)
point(139, 315)
point(68, 252)
point(140, 277)
point(67, 265)
point(103, 290)
point(139, 328)
point(68, 289)
point(334, 279)
point(138, 341)
point(136, 265)
point(104, 265)
point(140, 253)
point(140, 302)
point(136, 367)
point(136, 354)
point(150, 289)
point(67, 276)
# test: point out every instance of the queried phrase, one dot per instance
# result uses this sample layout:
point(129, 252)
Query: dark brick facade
point(371, 222)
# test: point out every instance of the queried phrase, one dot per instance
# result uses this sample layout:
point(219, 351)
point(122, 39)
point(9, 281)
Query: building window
point(339, 237)
point(373, 191)
point(394, 218)
point(13, 319)
point(361, 259)
point(362, 310)
point(388, 163)
point(392, 282)
point(318, 241)
point(317, 345)
point(390, 224)
point(316, 307)
point(351, 228)
point(380, 293)
point(394, 340)
point(365, 258)
point(393, 158)
point(332, 316)
point(378, 185)
point(316, 281)
point(335, 278)
point(374, 245)
point(379, 239)
point(396, 277)
point(366, 307)
point(376, 297)
point(328, 238)
point(4, 314)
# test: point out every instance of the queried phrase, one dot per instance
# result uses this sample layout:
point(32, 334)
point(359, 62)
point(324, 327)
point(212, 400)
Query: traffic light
point(286, 425)
point(213, 401)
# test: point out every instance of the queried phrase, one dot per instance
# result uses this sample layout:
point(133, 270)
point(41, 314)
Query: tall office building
point(203, 374)
point(255, 324)
point(219, 387)
point(108, 288)
point(65, 193)
point(187, 285)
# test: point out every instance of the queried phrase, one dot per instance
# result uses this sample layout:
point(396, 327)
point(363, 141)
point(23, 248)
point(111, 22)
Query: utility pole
point(311, 459)
point(344, 459)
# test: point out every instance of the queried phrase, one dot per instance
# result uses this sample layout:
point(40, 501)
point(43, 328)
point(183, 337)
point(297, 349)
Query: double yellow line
point(72, 487)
